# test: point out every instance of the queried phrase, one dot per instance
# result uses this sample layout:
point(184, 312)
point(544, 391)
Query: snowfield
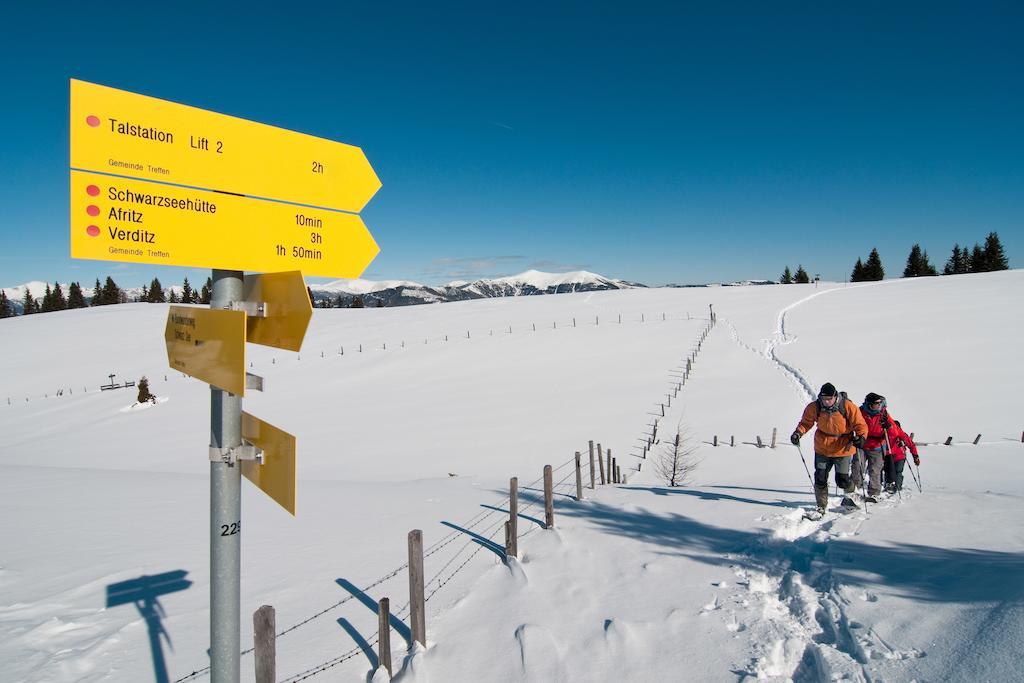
point(416, 417)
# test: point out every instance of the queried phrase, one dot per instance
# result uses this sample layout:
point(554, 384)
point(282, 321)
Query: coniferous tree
point(172, 296)
point(28, 303)
point(6, 310)
point(144, 393)
point(111, 293)
point(995, 257)
point(977, 260)
point(858, 271)
point(954, 263)
point(75, 298)
point(339, 302)
point(97, 294)
point(357, 302)
point(47, 300)
point(207, 293)
point(873, 269)
point(801, 277)
point(787, 277)
point(914, 262)
point(156, 293)
point(58, 300)
point(186, 292)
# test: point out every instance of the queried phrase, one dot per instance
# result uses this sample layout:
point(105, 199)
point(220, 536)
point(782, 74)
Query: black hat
point(872, 397)
point(828, 389)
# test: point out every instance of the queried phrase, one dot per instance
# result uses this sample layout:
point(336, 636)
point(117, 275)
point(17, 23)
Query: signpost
point(157, 182)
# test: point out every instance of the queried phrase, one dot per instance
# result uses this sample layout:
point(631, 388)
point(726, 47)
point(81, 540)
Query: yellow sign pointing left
point(208, 344)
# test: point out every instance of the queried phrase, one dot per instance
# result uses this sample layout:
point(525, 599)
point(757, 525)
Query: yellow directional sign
point(114, 131)
point(208, 344)
point(118, 219)
point(288, 309)
point(276, 475)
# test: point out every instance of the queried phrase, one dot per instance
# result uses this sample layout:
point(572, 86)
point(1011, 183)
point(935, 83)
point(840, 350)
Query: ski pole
point(804, 461)
point(909, 465)
point(863, 484)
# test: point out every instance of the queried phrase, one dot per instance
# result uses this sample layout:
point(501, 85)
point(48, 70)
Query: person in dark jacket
point(896, 457)
point(840, 428)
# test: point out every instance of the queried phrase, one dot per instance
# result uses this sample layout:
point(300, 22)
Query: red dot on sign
point(92, 190)
point(92, 120)
point(93, 210)
point(93, 231)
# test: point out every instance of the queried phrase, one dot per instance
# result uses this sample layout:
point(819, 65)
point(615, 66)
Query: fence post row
point(384, 634)
point(579, 478)
point(549, 501)
point(417, 612)
point(264, 645)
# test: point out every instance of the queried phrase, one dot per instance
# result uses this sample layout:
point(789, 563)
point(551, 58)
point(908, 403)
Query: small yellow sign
point(118, 219)
point(114, 131)
point(288, 309)
point(208, 344)
point(276, 475)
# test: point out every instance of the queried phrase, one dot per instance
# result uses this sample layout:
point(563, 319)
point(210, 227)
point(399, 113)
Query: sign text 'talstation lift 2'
point(227, 191)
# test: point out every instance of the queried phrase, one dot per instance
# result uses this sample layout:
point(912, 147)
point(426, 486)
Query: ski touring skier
point(840, 430)
point(897, 445)
point(879, 445)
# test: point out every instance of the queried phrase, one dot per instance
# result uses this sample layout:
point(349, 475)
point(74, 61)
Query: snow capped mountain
point(404, 293)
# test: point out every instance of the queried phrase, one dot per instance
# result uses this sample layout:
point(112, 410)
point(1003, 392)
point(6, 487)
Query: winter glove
point(794, 438)
point(857, 440)
point(886, 424)
point(917, 461)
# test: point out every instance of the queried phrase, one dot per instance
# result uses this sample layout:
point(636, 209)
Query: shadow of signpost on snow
point(145, 592)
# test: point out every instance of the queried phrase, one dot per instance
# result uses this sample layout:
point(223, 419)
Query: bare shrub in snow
point(677, 462)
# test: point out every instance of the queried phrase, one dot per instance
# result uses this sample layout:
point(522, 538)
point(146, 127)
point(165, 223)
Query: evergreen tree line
point(106, 294)
point(788, 278)
point(980, 259)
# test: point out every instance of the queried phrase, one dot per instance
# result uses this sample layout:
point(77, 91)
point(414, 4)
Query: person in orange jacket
point(840, 431)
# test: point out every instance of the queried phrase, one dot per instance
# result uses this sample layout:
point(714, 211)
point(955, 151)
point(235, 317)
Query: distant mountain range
point(406, 293)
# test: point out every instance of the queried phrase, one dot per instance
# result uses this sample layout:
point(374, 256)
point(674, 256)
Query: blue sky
point(655, 142)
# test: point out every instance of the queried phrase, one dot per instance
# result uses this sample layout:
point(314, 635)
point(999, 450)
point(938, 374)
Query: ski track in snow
point(800, 627)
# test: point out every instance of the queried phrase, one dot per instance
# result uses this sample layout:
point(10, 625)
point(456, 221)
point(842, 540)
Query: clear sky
point(655, 142)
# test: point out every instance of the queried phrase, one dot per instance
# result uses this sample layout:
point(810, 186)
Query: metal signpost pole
point(225, 511)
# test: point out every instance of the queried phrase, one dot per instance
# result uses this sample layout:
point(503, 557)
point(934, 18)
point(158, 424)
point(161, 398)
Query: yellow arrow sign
point(118, 219)
point(276, 476)
point(287, 311)
point(115, 131)
point(208, 344)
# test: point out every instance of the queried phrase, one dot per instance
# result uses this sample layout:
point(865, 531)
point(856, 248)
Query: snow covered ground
point(422, 427)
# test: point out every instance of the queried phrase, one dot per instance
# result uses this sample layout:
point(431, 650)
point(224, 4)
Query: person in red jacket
point(870, 455)
point(896, 457)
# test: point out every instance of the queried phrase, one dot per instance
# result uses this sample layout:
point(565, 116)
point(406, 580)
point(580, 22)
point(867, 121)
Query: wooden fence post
point(591, 465)
point(384, 634)
point(774, 433)
point(417, 612)
point(600, 461)
point(949, 440)
point(579, 478)
point(977, 439)
point(609, 466)
point(615, 469)
point(263, 626)
point(512, 542)
point(549, 500)
point(714, 440)
point(732, 441)
point(759, 444)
